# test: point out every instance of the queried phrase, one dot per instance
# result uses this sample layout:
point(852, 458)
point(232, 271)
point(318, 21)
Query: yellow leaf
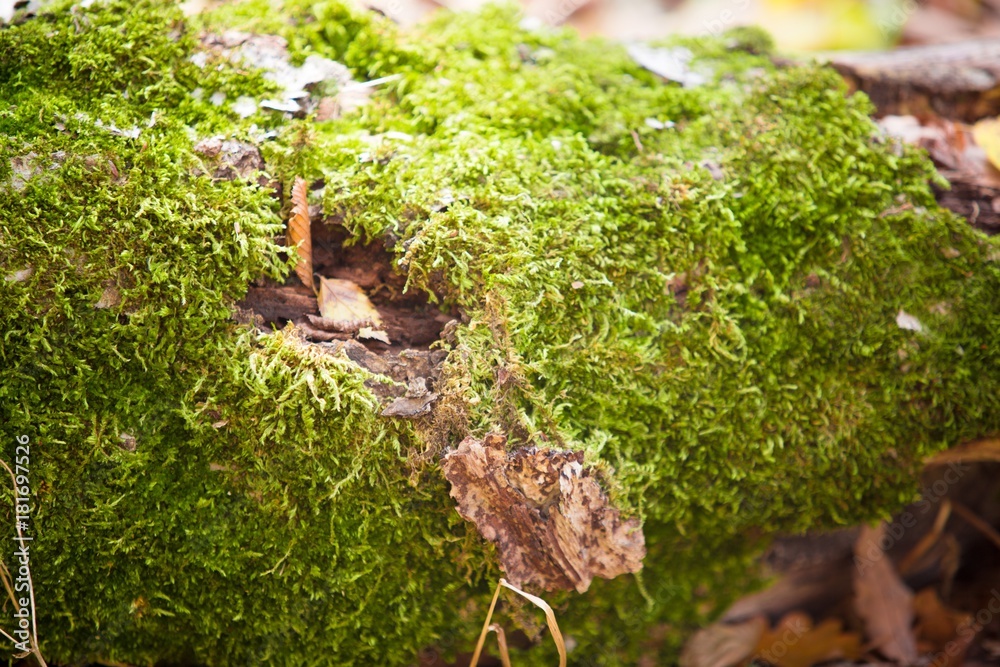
point(299, 232)
point(987, 134)
point(343, 302)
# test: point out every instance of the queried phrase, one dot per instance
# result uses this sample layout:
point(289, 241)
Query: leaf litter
point(904, 592)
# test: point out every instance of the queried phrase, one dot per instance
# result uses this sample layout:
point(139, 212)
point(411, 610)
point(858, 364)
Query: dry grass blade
point(33, 639)
point(550, 619)
point(486, 628)
point(300, 233)
point(502, 643)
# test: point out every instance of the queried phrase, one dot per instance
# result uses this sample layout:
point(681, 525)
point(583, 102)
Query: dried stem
point(33, 639)
point(550, 619)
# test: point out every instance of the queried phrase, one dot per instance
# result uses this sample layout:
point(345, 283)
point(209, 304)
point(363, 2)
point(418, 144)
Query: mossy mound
point(701, 288)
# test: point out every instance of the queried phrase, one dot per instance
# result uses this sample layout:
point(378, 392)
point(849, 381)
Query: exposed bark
point(957, 81)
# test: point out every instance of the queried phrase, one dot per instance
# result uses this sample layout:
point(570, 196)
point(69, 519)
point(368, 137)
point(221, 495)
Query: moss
point(707, 309)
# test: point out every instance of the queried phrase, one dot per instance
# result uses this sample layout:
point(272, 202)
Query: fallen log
point(683, 313)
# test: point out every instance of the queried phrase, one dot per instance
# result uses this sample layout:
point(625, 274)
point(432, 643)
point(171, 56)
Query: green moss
point(709, 310)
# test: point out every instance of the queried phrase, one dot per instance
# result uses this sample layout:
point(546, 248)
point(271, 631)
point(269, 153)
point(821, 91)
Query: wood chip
point(367, 333)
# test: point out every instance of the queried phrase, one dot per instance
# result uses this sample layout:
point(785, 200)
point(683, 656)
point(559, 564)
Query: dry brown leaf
point(723, 645)
point(881, 599)
point(552, 524)
point(978, 451)
point(300, 233)
point(345, 304)
point(940, 629)
point(794, 642)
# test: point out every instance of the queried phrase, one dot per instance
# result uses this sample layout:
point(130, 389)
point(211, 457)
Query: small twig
point(637, 141)
point(986, 529)
point(928, 540)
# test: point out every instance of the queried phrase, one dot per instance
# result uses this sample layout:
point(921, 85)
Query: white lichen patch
point(270, 53)
point(908, 322)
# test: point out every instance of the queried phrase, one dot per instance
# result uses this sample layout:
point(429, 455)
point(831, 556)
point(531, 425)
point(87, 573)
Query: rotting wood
point(957, 81)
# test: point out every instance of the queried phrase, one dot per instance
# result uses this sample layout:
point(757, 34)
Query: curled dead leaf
point(416, 402)
point(881, 599)
point(552, 524)
point(300, 233)
point(938, 625)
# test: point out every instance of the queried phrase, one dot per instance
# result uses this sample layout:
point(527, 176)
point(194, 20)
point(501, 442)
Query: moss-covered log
point(737, 299)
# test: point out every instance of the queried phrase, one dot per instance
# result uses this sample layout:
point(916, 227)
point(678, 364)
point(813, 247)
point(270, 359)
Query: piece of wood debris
point(553, 525)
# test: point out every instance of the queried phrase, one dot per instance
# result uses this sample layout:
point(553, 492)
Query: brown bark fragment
point(958, 81)
point(552, 524)
point(280, 303)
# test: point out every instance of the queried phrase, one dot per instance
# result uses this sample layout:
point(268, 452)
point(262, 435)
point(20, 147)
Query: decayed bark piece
point(232, 159)
point(277, 303)
point(549, 518)
point(975, 184)
point(957, 81)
